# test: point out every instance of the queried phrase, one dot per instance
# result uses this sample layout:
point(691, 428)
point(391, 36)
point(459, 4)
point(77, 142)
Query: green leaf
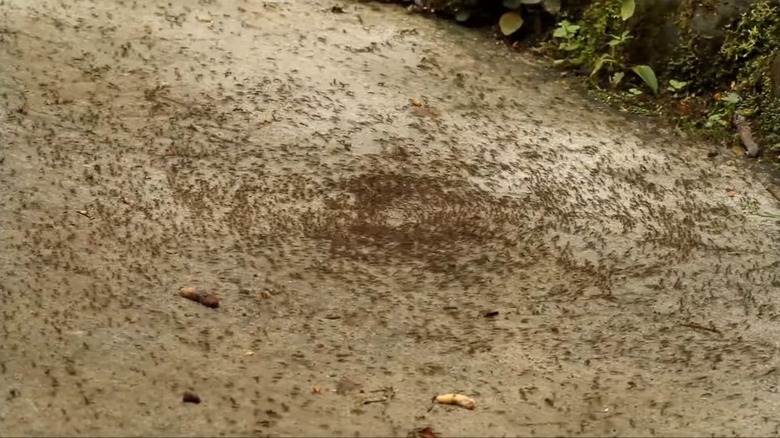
point(677, 85)
point(597, 66)
point(510, 23)
point(512, 4)
point(627, 9)
point(648, 75)
point(565, 30)
point(732, 98)
point(617, 77)
point(569, 46)
point(462, 16)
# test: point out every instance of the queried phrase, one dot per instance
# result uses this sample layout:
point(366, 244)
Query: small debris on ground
point(190, 397)
point(208, 300)
point(423, 432)
point(456, 399)
point(205, 18)
point(386, 394)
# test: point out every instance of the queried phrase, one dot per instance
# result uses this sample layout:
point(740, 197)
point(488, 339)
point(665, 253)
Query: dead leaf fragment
point(456, 399)
point(426, 432)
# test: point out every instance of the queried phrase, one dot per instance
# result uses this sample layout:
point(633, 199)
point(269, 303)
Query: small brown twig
point(390, 394)
point(695, 326)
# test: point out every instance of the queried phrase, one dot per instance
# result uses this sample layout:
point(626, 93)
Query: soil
point(387, 207)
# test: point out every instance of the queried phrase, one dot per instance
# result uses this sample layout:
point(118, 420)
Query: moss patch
point(716, 48)
point(746, 59)
point(734, 60)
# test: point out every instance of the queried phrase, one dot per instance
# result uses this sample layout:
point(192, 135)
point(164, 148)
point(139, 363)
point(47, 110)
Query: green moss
point(746, 56)
point(598, 46)
point(684, 63)
point(599, 20)
point(737, 60)
point(742, 65)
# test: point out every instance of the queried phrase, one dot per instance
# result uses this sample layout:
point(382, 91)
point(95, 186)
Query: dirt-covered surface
point(360, 186)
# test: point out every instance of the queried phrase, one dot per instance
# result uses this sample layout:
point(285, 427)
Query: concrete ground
point(389, 208)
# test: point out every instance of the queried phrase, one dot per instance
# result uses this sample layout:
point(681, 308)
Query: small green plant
point(617, 40)
point(676, 86)
point(579, 48)
point(616, 78)
point(721, 115)
point(567, 33)
point(610, 58)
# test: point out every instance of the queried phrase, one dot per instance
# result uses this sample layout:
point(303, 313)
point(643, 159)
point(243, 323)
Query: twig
point(545, 423)
point(693, 325)
point(376, 400)
point(389, 390)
